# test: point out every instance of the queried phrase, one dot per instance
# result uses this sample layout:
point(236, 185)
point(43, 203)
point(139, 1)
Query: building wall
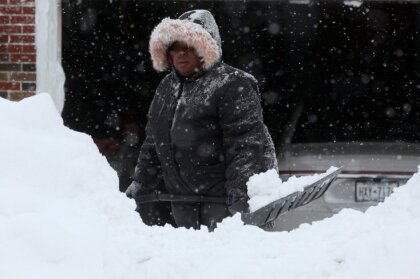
point(17, 49)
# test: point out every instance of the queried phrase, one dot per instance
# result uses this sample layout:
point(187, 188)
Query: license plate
point(374, 191)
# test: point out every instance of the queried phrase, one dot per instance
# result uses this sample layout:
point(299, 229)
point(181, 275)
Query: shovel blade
point(266, 215)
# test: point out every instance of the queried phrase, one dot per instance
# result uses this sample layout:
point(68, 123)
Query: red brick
point(25, 2)
point(23, 58)
point(10, 10)
point(22, 39)
point(28, 29)
point(23, 76)
point(17, 96)
point(28, 67)
point(4, 19)
point(22, 20)
point(14, 48)
point(9, 86)
point(7, 67)
point(9, 29)
point(26, 86)
point(4, 76)
point(28, 10)
point(4, 57)
point(4, 38)
point(28, 49)
point(3, 2)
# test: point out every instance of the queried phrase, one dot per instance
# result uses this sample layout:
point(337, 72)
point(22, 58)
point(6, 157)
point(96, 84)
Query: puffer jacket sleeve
point(148, 171)
point(241, 120)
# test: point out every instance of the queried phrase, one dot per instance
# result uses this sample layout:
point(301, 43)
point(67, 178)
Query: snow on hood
point(196, 28)
point(62, 216)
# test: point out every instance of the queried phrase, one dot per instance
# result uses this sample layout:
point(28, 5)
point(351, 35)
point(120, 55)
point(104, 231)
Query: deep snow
point(61, 216)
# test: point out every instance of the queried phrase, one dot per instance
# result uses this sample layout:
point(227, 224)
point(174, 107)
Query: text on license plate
point(374, 191)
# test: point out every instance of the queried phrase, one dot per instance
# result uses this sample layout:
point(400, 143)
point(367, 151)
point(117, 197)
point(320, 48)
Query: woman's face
point(184, 59)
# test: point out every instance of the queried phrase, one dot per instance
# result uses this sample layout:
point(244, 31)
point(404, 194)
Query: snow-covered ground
point(62, 216)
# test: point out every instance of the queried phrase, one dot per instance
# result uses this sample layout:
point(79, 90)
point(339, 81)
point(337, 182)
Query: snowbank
point(61, 216)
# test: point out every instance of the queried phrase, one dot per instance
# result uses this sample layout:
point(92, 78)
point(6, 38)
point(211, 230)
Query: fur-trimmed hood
point(196, 28)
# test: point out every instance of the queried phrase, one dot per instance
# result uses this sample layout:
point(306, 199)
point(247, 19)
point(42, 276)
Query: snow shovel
point(265, 216)
point(262, 217)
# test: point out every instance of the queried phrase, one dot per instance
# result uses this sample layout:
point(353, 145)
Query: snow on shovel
point(270, 198)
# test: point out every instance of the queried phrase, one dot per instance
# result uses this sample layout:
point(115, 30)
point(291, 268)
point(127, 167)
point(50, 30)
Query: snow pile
point(56, 197)
point(61, 216)
point(267, 187)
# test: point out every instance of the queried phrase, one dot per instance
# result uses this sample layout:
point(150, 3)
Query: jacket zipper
point(178, 101)
point(171, 148)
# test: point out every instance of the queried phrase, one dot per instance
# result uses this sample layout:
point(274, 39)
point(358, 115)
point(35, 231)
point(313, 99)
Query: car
point(370, 173)
point(378, 151)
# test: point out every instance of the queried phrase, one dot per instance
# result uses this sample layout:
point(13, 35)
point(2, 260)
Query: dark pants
point(192, 215)
point(156, 213)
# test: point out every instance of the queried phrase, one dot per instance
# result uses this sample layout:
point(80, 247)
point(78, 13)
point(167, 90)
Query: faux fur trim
point(171, 30)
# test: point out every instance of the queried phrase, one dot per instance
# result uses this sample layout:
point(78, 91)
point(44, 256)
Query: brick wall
point(17, 49)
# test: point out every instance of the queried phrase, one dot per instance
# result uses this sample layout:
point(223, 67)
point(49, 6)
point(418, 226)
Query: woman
point(205, 131)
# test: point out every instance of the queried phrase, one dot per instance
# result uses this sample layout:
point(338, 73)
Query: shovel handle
point(155, 197)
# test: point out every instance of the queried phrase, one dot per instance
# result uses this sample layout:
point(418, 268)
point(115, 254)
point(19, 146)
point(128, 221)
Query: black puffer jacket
point(205, 134)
